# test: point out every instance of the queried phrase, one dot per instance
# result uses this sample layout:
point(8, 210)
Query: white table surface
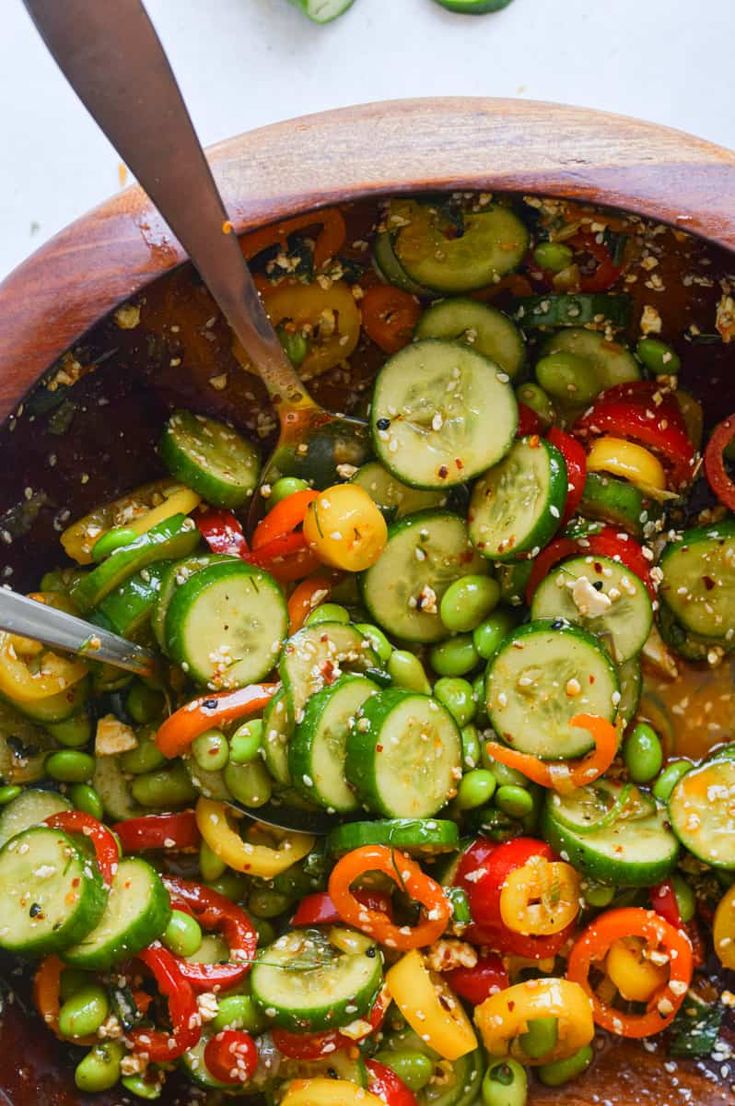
point(245, 63)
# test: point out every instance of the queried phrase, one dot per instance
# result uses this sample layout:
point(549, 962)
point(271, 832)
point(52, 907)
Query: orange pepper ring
point(175, 735)
point(329, 241)
point(563, 776)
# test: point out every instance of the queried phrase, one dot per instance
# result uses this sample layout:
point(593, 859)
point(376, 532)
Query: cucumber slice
point(472, 7)
point(31, 808)
point(574, 309)
point(517, 506)
point(483, 328)
point(627, 853)
point(225, 624)
point(55, 708)
point(390, 269)
point(610, 362)
point(315, 656)
point(621, 504)
point(699, 579)
point(692, 647)
point(193, 1065)
point(322, 11)
point(127, 610)
point(137, 912)
point(543, 674)
point(423, 556)
point(441, 414)
point(597, 806)
point(174, 575)
point(394, 498)
point(429, 836)
point(52, 895)
point(111, 784)
point(211, 458)
point(603, 596)
point(303, 981)
point(493, 243)
point(702, 812)
point(630, 677)
point(316, 754)
point(513, 578)
point(23, 747)
point(404, 755)
point(277, 730)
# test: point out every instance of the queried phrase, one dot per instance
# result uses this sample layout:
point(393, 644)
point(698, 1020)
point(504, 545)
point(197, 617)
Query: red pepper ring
point(717, 475)
point(386, 1085)
point(103, 841)
point(176, 831)
point(407, 875)
point(222, 532)
point(159, 1045)
point(214, 912)
point(605, 273)
point(319, 910)
point(664, 902)
point(575, 460)
point(231, 1056)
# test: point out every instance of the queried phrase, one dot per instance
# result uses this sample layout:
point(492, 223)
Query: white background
point(244, 63)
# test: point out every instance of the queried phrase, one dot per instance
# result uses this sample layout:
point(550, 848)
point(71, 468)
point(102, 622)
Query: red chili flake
point(708, 582)
point(443, 472)
point(379, 748)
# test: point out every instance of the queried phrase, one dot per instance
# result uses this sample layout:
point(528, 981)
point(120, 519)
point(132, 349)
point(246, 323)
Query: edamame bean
point(406, 670)
point(505, 1084)
point(686, 900)
point(378, 641)
point(670, 776)
point(553, 256)
point(658, 357)
point(183, 934)
point(72, 980)
point(8, 793)
point(230, 884)
point(84, 797)
point(540, 1038)
point(147, 757)
point(475, 789)
point(598, 895)
point(164, 789)
point(567, 377)
point(328, 612)
point(144, 704)
point(70, 766)
point(246, 741)
point(283, 488)
point(238, 1012)
point(84, 1012)
point(249, 783)
point(73, 732)
point(505, 777)
point(414, 1068)
point(642, 753)
point(514, 801)
point(142, 1086)
point(490, 634)
point(211, 750)
point(536, 398)
point(458, 697)
point(210, 864)
point(471, 751)
point(100, 1068)
point(468, 601)
point(267, 904)
point(560, 1072)
point(264, 929)
point(112, 540)
point(295, 345)
point(455, 657)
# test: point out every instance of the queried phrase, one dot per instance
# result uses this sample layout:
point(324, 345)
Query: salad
point(411, 811)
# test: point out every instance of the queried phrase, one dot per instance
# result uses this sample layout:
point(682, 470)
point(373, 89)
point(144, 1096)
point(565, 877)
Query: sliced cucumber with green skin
point(52, 893)
point(303, 981)
point(598, 805)
point(277, 730)
point(211, 458)
point(483, 328)
point(390, 269)
point(425, 553)
point(111, 784)
point(699, 579)
point(545, 673)
point(473, 7)
point(610, 362)
point(404, 755)
point(702, 812)
point(692, 647)
point(621, 504)
point(516, 507)
point(314, 657)
point(31, 808)
point(55, 708)
point(630, 677)
point(428, 836)
point(174, 575)
point(441, 414)
point(394, 498)
point(24, 747)
point(513, 579)
point(127, 610)
point(317, 750)
point(322, 11)
point(137, 912)
point(226, 624)
point(627, 853)
point(573, 309)
point(493, 242)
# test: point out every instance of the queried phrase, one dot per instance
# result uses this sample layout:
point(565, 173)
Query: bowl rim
point(399, 146)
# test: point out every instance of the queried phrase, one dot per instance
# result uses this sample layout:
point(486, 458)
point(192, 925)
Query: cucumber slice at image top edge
point(596, 806)
point(628, 853)
point(175, 574)
point(481, 327)
point(611, 362)
point(210, 457)
point(30, 808)
point(699, 579)
point(52, 893)
point(225, 625)
point(572, 309)
point(389, 267)
point(516, 507)
point(621, 504)
point(428, 836)
point(424, 554)
point(315, 656)
point(441, 414)
point(395, 499)
point(404, 755)
point(322, 11)
point(702, 813)
point(473, 7)
point(137, 912)
point(544, 673)
point(602, 595)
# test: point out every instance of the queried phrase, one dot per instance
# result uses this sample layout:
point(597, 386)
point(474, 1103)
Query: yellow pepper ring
point(504, 1017)
point(24, 684)
point(627, 459)
point(328, 1092)
point(541, 897)
point(331, 313)
point(723, 930)
point(181, 502)
point(430, 1007)
point(636, 979)
point(243, 856)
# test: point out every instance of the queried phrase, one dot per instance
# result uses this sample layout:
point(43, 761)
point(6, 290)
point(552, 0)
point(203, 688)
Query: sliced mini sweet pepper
point(253, 858)
point(430, 1007)
point(214, 912)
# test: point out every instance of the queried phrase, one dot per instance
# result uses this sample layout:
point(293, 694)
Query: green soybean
point(458, 697)
point(686, 900)
point(378, 641)
point(490, 634)
point(504, 776)
point(73, 732)
point(72, 980)
point(144, 703)
point(246, 742)
point(266, 932)
point(249, 783)
point(283, 488)
point(560, 1072)
point(142, 1087)
point(183, 934)
point(553, 256)
point(414, 1068)
point(210, 865)
point(267, 904)
point(112, 540)
point(514, 801)
point(670, 776)
point(468, 601)
point(295, 345)
point(84, 1012)
point(658, 357)
point(100, 1068)
point(70, 766)
point(238, 1012)
point(164, 789)
point(84, 797)
point(536, 398)
point(475, 789)
point(567, 377)
point(455, 657)
point(643, 753)
point(8, 793)
point(230, 884)
point(406, 670)
point(505, 1084)
point(328, 612)
point(147, 757)
point(598, 895)
point(541, 1037)
point(211, 750)
point(471, 751)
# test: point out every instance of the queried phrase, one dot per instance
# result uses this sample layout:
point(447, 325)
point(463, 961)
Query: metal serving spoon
point(114, 61)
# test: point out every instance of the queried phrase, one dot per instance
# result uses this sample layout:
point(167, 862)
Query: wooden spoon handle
point(114, 61)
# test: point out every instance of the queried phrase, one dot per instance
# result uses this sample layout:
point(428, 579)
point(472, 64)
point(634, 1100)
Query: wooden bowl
point(71, 284)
